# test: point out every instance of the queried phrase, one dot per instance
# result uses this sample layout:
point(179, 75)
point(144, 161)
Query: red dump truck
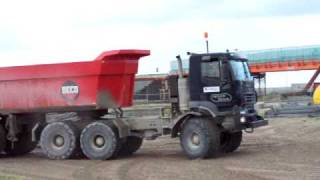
point(96, 91)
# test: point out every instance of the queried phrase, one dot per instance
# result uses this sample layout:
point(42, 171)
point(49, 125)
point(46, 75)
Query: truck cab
point(215, 103)
point(222, 83)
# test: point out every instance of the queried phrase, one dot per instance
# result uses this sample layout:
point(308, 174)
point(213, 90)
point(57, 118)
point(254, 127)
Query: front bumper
point(256, 122)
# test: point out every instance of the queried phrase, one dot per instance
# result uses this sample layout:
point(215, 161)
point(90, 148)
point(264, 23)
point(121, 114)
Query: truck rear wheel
point(200, 138)
point(130, 145)
point(2, 138)
point(60, 140)
point(230, 141)
point(100, 141)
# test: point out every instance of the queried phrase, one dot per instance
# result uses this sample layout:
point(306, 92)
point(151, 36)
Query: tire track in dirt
point(272, 152)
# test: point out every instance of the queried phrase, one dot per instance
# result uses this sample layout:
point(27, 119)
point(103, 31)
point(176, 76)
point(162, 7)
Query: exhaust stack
point(183, 87)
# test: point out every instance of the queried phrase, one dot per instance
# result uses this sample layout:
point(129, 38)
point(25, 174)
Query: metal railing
point(151, 98)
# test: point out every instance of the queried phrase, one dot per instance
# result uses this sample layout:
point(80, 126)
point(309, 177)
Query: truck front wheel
point(230, 141)
point(100, 141)
point(60, 140)
point(200, 138)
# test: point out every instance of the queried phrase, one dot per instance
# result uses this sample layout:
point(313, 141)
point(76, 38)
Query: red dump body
point(105, 82)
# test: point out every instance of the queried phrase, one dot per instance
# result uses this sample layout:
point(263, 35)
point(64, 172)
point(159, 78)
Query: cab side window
point(210, 73)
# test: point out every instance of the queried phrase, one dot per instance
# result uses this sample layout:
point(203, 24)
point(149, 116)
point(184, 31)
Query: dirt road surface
point(286, 149)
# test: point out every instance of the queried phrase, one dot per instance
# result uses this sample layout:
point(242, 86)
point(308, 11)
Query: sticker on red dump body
point(70, 90)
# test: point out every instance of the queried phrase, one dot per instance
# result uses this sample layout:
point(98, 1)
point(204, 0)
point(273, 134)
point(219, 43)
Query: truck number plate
point(210, 89)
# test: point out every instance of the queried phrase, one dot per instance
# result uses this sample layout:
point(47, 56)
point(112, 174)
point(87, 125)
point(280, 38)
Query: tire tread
point(211, 132)
point(115, 142)
point(74, 135)
point(233, 143)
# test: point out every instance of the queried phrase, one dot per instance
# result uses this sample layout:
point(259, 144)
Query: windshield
point(240, 70)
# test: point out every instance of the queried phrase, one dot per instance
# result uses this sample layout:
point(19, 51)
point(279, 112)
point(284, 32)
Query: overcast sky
point(42, 31)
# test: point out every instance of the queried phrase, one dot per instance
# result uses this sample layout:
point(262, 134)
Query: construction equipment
point(316, 96)
point(307, 87)
point(209, 108)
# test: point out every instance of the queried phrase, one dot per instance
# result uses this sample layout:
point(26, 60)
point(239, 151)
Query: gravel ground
point(286, 149)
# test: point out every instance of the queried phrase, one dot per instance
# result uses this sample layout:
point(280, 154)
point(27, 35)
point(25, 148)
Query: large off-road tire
point(60, 140)
point(200, 138)
point(130, 145)
point(100, 141)
point(230, 141)
point(22, 146)
point(2, 138)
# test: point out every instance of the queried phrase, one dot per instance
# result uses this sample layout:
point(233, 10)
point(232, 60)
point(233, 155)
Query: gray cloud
point(175, 11)
point(8, 42)
point(294, 7)
point(263, 8)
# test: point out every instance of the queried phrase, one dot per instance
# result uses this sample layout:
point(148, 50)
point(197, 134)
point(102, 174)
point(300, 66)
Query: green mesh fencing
point(283, 54)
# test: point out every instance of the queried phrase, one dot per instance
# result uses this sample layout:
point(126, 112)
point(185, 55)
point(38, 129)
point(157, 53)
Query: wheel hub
point(195, 139)
point(99, 141)
point(58, 141)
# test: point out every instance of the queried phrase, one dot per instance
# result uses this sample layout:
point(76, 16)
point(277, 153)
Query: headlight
point(243, 119)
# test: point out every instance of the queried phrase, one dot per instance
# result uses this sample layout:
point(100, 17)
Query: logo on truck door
point(223, 97)
point(70, 90)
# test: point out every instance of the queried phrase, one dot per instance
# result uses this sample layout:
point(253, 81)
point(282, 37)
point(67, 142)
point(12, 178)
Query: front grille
point(249, 99)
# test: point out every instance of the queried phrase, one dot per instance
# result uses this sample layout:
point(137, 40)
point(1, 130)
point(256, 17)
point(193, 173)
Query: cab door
point(216, 81)
point(210, 76)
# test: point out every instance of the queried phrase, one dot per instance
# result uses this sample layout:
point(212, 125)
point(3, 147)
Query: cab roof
point(229, 56)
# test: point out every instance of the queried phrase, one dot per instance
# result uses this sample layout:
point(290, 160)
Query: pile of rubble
point(287, 109)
